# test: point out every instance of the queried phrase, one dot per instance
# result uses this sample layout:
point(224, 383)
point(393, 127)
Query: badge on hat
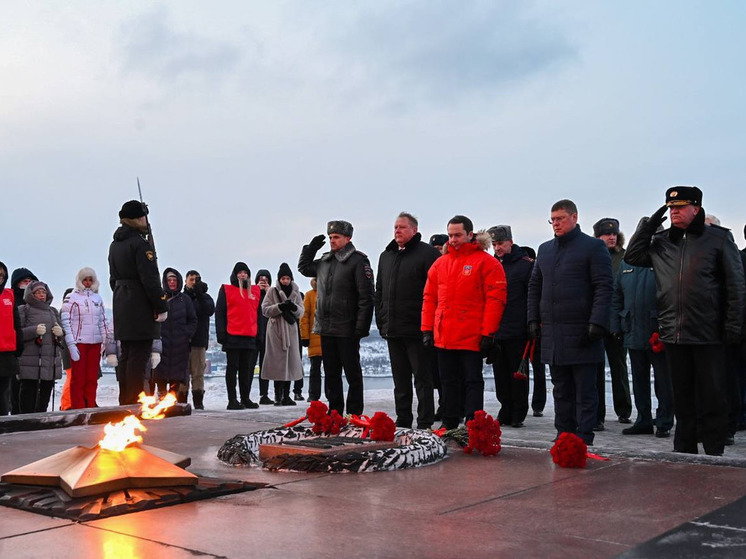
point(683, 196)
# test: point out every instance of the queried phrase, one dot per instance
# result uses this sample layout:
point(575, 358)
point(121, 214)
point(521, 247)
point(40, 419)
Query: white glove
point(155, 358)
point(57, 331)
point(41, 329)
point(161, 317)
point(111, 360)
point(74, 353)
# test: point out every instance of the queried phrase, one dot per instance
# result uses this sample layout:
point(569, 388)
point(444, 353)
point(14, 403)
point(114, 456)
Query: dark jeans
point(258, 355)
point(339, 354)
point(410, 359)
point(131, 369)
point(575, 399)
point(539, 370)
point(314, 378)
point(459, 366)
point(34, 395)
point(238, 362)
point(282, 390)
point(641, 360)
point(700, 401)
point(512, 393)
point(616, 354)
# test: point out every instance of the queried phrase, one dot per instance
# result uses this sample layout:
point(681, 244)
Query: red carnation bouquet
point(380, 427)
point(484, 434)
point(569, 451)
point(323, 422)
point(656, 344)
point(528, 355)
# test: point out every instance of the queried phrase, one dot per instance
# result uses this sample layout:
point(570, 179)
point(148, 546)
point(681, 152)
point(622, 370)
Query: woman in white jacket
point(85, 326)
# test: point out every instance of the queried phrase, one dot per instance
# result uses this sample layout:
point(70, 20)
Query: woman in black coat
point(176, 332)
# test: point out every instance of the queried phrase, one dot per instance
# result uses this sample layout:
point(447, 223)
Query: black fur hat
point(132, 210)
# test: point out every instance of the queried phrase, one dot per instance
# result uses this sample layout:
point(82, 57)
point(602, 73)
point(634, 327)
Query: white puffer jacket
point(83, 316)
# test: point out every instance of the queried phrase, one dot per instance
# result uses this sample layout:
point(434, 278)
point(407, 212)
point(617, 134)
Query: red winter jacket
point(464, 298)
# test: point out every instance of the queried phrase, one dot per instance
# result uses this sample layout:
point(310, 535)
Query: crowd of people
point(672, 301)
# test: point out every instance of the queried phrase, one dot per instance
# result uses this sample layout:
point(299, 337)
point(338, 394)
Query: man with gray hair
point(344, 311)
point(402, 273)
point(510, 340)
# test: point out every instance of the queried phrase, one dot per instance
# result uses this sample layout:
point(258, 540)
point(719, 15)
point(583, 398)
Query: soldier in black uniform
point(139, 301)
point(344, 310)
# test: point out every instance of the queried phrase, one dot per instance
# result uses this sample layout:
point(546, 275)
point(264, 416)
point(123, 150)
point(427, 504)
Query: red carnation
point(656, 344)
point(317, 411)
point(484, 434)
point(569, 451)
point(382, 427)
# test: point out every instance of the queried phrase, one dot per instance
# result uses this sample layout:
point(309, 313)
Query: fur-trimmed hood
point(481, 240)
point(620, 239)
point(85, 273)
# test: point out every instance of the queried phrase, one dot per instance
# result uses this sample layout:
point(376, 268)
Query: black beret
point(341, 227)
point(132, 210)
point(606, 226)
point(683, 195)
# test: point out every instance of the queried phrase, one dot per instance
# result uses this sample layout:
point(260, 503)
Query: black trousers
point(734, 368)
point(238, 362)
point(258, 356)
point(459, 366)
point(512, 393)
point(410, 359)
point(131, 369)
point(338, 354)
point(699, 396)
point(539, 371)
point(575, 399)
point(33, 395)
point(616, 354)
point(314, 378)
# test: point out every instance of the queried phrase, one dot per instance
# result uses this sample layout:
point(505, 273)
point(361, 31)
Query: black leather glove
point(282, 306)
point(595, 332)
point(200, 287)
point(485, 345)
point(305, 343)
point(360, 334)
point(317, 242)
point(427, 339)
point(534, 330)
point(657, 219)
point(292, 307)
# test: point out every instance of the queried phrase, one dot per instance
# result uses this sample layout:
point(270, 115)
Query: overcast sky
point(251, 124)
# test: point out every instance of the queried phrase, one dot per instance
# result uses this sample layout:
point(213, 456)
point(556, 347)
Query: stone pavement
point(644, 502)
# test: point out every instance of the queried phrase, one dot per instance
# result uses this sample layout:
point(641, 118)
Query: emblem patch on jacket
point(467, 270)
point(150, 255)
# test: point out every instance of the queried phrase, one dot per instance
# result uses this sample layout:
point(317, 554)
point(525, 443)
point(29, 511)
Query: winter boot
point(198, 398)
point(234, 405)
point(182, 397)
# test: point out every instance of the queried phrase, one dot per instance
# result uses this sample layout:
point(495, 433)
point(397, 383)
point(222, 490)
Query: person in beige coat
point(283, 307)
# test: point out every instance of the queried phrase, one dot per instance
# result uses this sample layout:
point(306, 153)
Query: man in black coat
point(402, 273)
point(510, 340)
point(139, 303)
point(344, 311)
point(700, 297)
point(569, 301)
point(204, 306)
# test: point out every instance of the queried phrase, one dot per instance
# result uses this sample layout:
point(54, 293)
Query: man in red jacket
point(462, 306)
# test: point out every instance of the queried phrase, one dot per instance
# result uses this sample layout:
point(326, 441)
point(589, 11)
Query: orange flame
point(118, 436)
point(152, 408)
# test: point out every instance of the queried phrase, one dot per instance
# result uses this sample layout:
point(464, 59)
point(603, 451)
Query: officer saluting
point(139, 301)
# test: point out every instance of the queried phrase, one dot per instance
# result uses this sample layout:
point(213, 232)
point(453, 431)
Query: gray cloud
point(443, 51)
point(149, 45)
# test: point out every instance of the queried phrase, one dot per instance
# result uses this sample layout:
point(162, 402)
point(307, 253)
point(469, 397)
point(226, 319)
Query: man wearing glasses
point(569, 300)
